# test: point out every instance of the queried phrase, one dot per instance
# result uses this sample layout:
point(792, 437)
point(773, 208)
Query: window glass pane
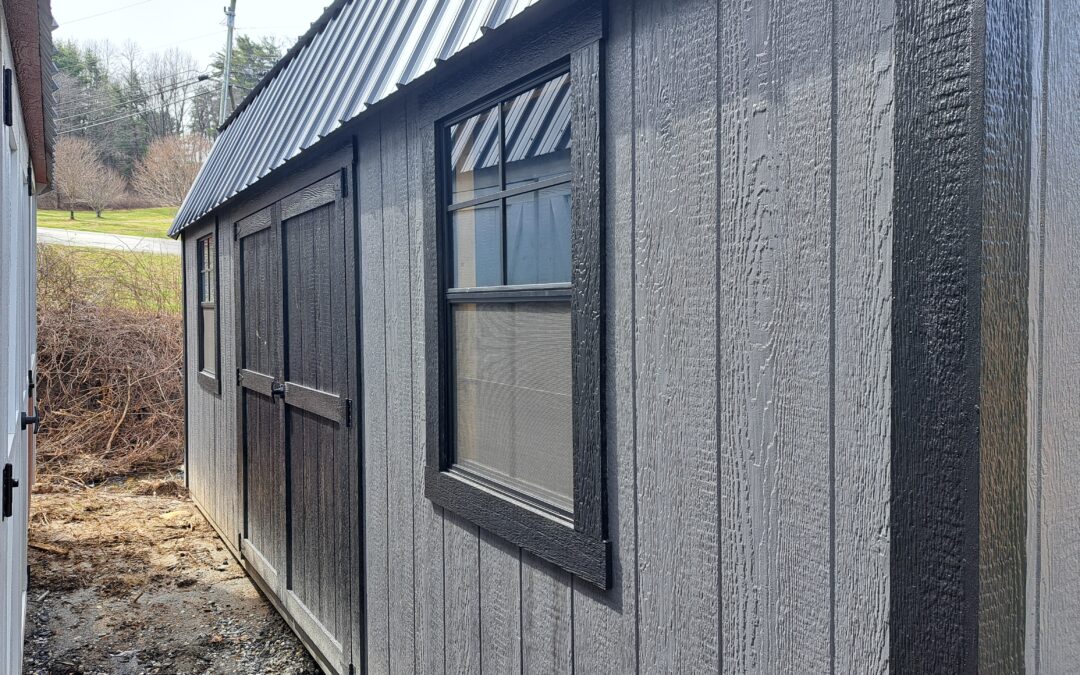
point(208, 326)
point(538, 237)
point(538, 133)
point(477, 242)
point(513, 397)
point(474, 156)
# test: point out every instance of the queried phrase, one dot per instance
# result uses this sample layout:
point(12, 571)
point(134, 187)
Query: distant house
point(25, 162)
point(649, 336)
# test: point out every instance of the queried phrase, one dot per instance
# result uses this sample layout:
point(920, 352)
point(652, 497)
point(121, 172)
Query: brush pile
point(110, 353)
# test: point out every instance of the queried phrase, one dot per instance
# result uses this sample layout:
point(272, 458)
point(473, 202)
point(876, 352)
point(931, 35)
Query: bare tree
point(169, 167)
point(104, 188)
point(75, 167)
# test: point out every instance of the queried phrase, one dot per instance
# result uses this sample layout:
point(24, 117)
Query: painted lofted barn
point(647, 336)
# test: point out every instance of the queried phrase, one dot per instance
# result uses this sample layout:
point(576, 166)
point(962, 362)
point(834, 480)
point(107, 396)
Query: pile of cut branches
point(110, 353)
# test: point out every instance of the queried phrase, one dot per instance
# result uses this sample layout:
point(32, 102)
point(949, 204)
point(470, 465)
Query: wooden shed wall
point(747, 313)
point(211, 416)
point(1053, 384)
point(748, 256)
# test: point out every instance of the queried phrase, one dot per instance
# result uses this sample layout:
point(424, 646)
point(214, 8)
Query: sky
point(195, 26)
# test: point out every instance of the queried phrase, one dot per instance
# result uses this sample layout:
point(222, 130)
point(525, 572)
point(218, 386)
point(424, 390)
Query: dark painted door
point(318, 414)
point(296, 380)
point(259, 356)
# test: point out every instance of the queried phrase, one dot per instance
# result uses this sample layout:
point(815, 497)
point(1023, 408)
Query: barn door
point(260, 416)
point(318, 415)
point(298, 439)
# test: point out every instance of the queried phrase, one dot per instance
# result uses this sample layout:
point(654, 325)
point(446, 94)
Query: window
point(206, 248)
point(521, 452)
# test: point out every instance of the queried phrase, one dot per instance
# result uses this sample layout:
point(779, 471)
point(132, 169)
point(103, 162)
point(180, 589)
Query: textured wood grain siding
point(1004, 316)
point(1054, 573)
point(935, 482)
point(775, 360)
point(863, 231)
point(675, 289)
point(211, 441)
point(605, 631)
point(375, 494)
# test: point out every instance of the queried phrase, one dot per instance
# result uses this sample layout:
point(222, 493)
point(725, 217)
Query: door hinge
point(31, 383)
point(9, 119)
point(239, 378)
point(344, 182)
point(348, 413)
point(29, 180)
point(9, 486)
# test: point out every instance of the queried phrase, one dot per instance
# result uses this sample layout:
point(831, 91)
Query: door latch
point(277, 389)
point(35, 419)
point(9, 484)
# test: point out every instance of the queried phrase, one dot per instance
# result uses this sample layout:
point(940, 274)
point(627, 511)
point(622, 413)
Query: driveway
point(116, 242)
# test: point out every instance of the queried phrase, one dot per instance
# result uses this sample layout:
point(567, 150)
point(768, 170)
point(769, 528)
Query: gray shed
point(649, 336)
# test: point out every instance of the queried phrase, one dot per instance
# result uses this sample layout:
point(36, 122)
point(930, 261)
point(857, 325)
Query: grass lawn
point(136, 222)
point(126, 279)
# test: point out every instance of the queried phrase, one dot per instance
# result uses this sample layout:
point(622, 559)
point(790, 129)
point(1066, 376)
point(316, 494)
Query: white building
point(25, 163)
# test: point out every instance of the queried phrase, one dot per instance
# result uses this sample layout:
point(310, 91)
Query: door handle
point(34, 419)
point(277, 389)
point(10, 483)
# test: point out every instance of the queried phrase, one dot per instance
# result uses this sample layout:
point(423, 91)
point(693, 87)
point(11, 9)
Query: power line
point(136, 99)
point(130, 115)
point(108, 11)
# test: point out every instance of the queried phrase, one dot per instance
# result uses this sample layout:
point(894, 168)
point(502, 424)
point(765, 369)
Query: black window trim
point(211, 382)
point(579, 542)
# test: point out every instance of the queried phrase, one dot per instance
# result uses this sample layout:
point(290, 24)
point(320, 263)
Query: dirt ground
point(129, 578)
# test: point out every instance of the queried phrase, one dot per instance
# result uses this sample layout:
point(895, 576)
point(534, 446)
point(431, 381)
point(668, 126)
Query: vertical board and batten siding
point(763, 306)
point(477, 603)
point(862, 294)
point(211, 462)
point(1053, 581)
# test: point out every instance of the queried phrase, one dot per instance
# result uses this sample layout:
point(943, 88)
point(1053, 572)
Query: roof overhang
point(30, 25)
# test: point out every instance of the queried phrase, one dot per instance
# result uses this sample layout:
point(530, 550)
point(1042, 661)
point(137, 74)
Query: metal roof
point(357, 54)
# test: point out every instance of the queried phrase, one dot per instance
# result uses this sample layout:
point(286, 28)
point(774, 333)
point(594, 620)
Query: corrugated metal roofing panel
point(357, 54)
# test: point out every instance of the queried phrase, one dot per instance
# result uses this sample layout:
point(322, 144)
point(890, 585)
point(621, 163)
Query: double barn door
point(295, 376)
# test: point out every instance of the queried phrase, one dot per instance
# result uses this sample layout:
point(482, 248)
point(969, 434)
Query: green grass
point(126, 279)
point(135, 222)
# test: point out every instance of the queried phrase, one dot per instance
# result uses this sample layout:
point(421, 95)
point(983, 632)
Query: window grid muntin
point(505, 294)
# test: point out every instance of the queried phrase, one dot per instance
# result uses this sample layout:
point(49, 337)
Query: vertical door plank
point(369, 176)
point(862, 391)
point(605, 637)
point(399, 405)
point(430, 635)
point(675, 334)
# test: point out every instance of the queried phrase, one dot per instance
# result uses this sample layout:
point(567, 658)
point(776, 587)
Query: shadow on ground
point(129, 578)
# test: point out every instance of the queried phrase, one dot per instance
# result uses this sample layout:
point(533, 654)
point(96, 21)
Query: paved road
point(115, 242)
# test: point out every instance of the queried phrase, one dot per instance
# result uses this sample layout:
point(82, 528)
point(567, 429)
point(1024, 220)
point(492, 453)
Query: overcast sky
point(195, 26)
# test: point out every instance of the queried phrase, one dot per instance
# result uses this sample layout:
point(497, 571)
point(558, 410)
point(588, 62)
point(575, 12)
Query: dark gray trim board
point(959, 336)
point(935, 445)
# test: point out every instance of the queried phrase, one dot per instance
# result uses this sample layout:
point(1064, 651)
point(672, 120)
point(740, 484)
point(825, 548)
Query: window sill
point(209, 383)
point(537, 532)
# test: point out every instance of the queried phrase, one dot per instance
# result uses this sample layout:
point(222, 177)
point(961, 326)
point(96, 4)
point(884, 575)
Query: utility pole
point(230, 18)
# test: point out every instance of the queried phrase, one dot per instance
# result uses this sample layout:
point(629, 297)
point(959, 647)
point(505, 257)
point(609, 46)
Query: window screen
point(509, 203)
point(207, 258)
